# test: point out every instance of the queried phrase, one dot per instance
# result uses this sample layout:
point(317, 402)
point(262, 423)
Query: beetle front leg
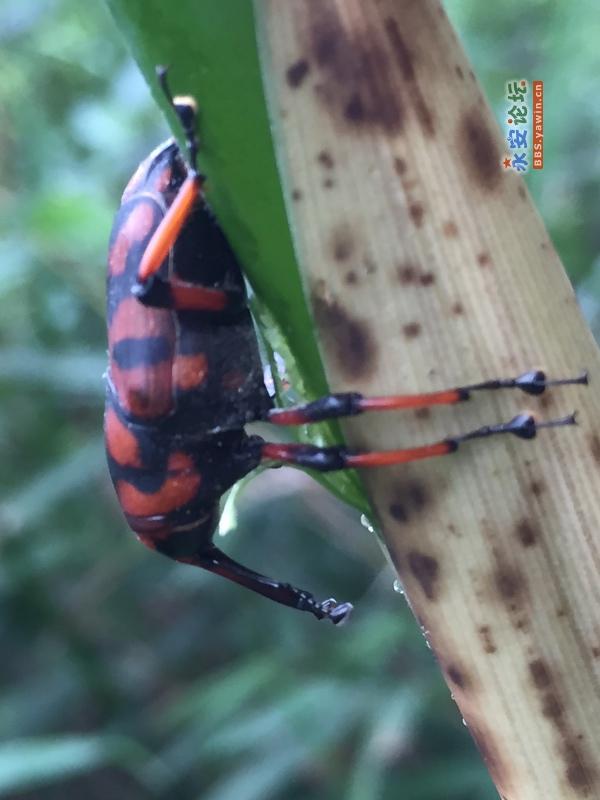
point(216, 561)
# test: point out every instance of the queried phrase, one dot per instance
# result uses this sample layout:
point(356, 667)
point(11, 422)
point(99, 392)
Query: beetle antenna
point(187, 111)
point(161, 74)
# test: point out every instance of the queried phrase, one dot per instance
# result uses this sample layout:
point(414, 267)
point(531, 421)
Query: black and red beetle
point(185, 376)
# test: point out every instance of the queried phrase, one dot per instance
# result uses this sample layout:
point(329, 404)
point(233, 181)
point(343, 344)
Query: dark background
point(124, 675)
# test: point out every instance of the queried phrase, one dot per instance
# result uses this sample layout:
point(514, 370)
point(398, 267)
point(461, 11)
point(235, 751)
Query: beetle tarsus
point(524, 426)
point(335, 612)
point(533, 382)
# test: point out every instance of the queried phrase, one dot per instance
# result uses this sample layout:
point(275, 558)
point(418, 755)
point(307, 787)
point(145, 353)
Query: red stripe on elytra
point(145, 390)
point(121, 443)
point(190, 371)
point(139, 223)
point(177, 491)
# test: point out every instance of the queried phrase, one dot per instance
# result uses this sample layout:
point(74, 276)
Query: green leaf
point(33, 501)
point(256, 780)
point(67, 372)
point(25, 763)
point(211, 49)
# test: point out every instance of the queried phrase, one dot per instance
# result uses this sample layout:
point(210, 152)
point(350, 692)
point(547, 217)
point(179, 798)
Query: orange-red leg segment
point(329, 459)
point(352, 403)
point(170, 227)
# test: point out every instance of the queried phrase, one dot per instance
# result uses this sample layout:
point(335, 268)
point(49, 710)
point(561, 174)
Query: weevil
point(185, 376)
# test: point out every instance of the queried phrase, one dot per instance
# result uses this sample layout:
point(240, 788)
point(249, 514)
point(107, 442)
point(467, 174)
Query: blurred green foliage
point(127, 676)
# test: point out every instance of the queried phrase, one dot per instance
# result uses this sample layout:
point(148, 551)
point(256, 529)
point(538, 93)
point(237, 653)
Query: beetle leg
point(216, 561)
point(170, 227)
point(159, 293)
point(352, 403)
point(328, 459)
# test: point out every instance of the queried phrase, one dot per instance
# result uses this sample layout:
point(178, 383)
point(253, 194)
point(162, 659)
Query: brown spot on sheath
point(326, 159)
point(579, 772)
point(537, 488)
point(489, 646)
point(351, 278)
point(450, 230)
point(426, 570)
point(423, 413)
point(457, 676)
point(411, 330)
point(404, 59)
point(521, 192)
point(347, 338)
point(342, 243)
point(400, 166)
point(526, 532)
point(480, 150)
point(458, 309)
point(398, 512)
point(296, 195)
point(355, 85)
point(297, 72)
point(354, 110)
point(328, 183)
point(408, 498)
point(417, 494)
point(484, 259)
point(507, 583)
point(416, 212)
point(582, 777)
point(552, 708)
point(511, 586)
point(459, 72)
point(540, 674)
point(407, 274)
point(596, 652)
point(595, 447)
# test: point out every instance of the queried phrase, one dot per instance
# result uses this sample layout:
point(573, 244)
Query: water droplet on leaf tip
point(366, 523)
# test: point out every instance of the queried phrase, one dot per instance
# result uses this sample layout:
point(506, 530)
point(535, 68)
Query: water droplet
point(398, 587)
point(280, 364)
point(366, 523)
